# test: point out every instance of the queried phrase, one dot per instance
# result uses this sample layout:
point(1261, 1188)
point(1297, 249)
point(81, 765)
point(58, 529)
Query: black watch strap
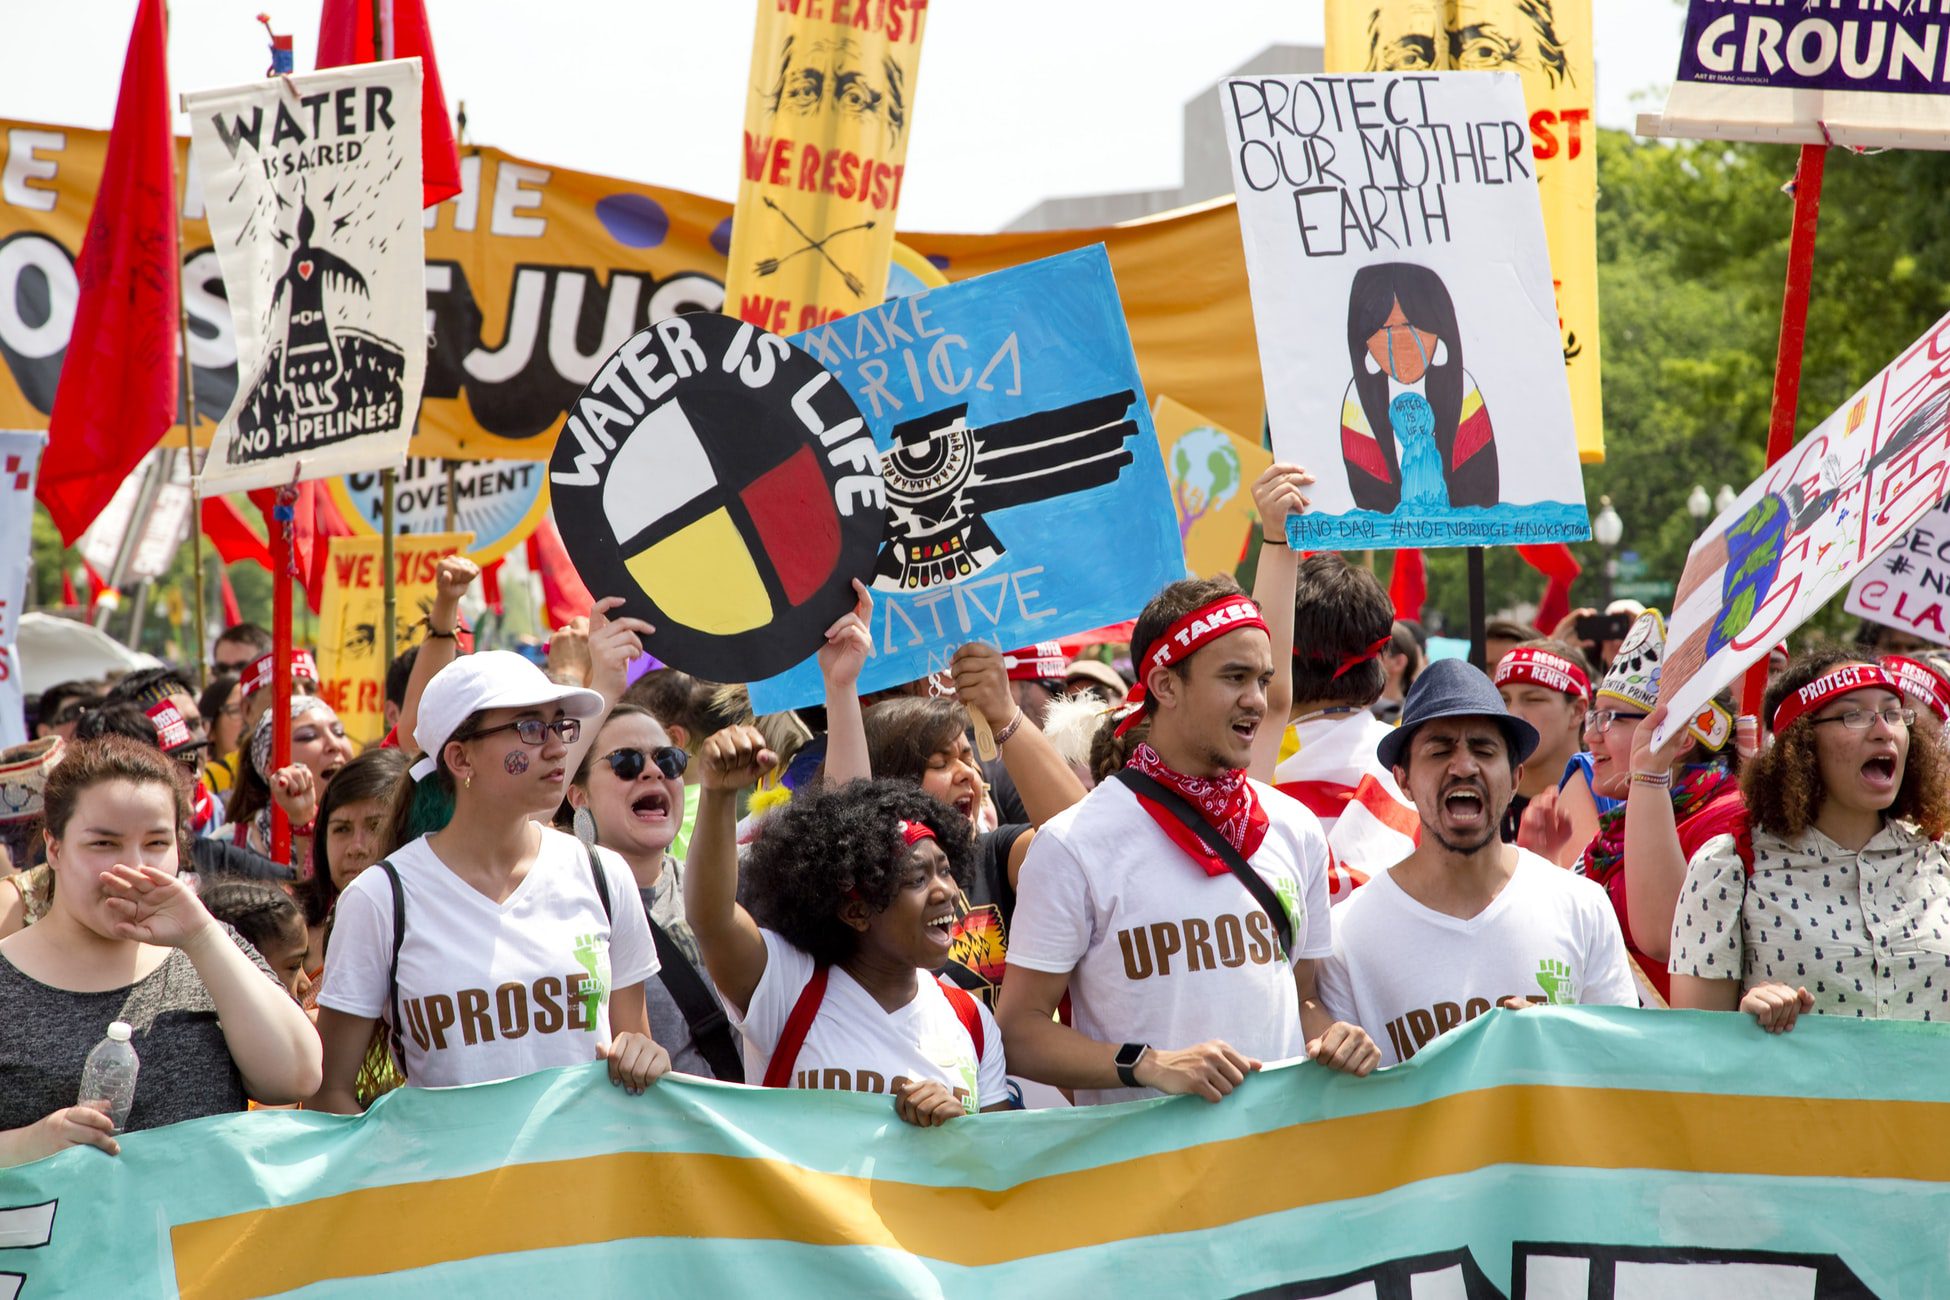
point(1128, 1057)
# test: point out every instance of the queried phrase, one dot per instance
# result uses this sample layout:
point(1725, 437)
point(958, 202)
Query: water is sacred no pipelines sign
point(725, 485)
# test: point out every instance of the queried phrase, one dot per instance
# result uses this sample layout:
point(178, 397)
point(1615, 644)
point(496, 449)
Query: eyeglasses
point(533, 731)
point(1863, 719)
point(628, 763)
point(1599, 721)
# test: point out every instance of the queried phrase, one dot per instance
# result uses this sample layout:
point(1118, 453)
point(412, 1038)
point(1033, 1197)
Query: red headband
point(1843, 681)
point(1186, 638)
point(913, 833)
point(1553, 672)
point(1920, 682)
point(1350, 662)
point(172, 728)
point(258, 675)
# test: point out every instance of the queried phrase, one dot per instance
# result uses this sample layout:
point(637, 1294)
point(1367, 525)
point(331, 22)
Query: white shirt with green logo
point(1408, 974)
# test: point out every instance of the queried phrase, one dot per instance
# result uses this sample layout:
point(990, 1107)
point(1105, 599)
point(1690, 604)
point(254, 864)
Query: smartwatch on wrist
point(1128, 1057)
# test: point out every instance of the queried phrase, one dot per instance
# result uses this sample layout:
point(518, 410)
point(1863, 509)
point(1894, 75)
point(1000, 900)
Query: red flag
point(1557, 564)
point(117, 392)
point(68, 596)
point(97, 586)
point(224, 525)
point(314, 519)
point(562, 591)
point(233, 613)
point(491, 587)
point(345, 37)
point(1408, 585)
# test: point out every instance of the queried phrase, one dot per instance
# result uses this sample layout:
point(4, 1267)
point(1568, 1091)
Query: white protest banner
point(313, 190)
point(1863, 73)
point(1408, 330)
point(1906, 587)
point(163, 527)
point(20, 458)
point(1816, 518)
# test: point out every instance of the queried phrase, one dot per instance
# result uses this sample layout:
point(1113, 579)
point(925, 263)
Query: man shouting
point(1466, 922)
point(1181, 906)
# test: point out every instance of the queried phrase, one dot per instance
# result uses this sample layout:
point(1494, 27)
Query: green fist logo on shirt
point(589, 952)
point(1554, 977)
point(1287, 890)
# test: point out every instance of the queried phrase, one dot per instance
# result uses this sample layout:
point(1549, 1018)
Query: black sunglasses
point(628, 763)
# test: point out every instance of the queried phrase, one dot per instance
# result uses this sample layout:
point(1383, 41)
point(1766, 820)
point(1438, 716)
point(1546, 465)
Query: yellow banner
point(1212, 470)
point(828, 111)
point(536, 274)
point(1547, 42)
point(352, 620)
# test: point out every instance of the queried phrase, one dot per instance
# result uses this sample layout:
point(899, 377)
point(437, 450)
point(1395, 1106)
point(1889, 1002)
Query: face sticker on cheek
point(516, 762)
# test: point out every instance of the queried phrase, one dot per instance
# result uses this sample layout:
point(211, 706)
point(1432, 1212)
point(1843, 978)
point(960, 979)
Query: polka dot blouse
point(1868, 933)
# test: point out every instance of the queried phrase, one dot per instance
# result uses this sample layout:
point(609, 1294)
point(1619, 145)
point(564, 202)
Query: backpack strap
point(969, 1014)
point(1156, 792)
point(710, 1027)
point(778, 1074)
point(392, 967)
point(602, 882)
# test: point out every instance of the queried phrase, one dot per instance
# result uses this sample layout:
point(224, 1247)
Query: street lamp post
point(1608, 530)
point(1698, 504)
point(1723, 502)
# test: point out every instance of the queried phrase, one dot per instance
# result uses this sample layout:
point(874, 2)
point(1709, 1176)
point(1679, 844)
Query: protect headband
point(1921, 683)
point(1843, 681)
point(1186, 638)
point(1537, 667)
point(172, 728)
point(913, 833)
point(258, 675)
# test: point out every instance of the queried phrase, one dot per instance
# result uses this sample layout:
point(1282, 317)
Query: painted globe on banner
point(1205, 461)
point(725, 485)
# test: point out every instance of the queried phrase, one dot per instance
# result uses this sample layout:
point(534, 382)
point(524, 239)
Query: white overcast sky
point(1018, 100)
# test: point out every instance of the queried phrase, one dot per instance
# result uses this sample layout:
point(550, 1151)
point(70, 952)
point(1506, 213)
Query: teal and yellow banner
point(1547, 1154)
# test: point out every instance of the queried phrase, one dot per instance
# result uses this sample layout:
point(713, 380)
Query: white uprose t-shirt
point(855, 1045)
point(491, 991)
point(1406, 973)
point(1158, 951)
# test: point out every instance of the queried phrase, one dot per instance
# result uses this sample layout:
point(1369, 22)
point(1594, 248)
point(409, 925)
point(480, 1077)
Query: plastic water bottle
point(108, 1080)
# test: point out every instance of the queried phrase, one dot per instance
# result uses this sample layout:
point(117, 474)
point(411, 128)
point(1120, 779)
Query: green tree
point(1692, 253)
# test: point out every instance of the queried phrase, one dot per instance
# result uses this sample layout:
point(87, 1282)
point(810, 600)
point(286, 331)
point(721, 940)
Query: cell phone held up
point(1596, 629)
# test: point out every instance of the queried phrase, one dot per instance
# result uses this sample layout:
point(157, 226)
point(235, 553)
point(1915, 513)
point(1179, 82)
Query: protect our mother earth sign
point(1402, 296)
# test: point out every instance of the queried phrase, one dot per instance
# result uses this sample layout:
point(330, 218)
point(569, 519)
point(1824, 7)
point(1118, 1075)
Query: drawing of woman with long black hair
point(1414, 430)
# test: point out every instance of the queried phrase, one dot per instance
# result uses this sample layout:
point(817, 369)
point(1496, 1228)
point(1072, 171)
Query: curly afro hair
point(818, 851)
point(1783, 786)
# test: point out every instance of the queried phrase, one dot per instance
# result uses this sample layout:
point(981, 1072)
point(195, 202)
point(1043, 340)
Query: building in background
point(1207, 173)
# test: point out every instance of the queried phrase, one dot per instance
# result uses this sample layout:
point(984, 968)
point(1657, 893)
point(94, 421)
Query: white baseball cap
point(487, 679)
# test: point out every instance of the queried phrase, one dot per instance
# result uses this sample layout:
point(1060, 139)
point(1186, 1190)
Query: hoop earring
point(1441, 357)
point(1369, 364)
point(585, 827)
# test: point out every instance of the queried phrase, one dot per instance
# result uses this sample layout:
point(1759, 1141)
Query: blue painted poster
point(1402, 295)
point(1026, 495)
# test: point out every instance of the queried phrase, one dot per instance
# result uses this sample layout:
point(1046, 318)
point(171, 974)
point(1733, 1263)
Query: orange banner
point(535, 274)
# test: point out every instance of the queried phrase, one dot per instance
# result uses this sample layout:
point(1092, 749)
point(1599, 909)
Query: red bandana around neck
point(1227, 803)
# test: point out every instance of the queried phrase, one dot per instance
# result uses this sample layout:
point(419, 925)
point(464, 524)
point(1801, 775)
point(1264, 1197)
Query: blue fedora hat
point(1453, 688)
